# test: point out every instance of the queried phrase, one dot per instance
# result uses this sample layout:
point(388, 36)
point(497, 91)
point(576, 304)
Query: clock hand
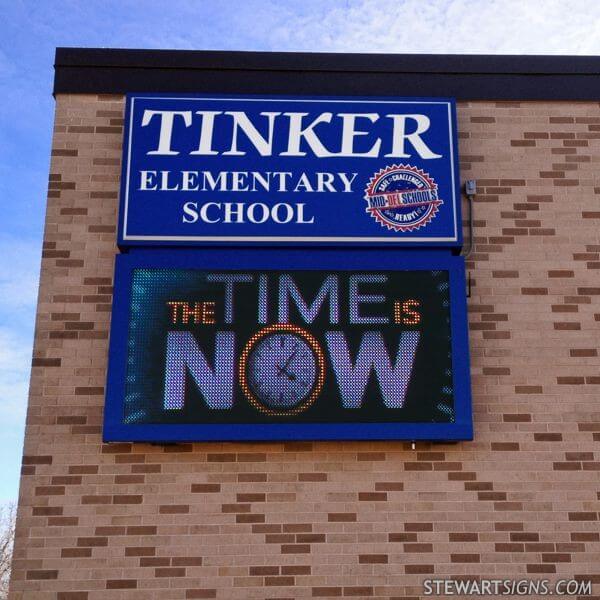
point(290, 358)
point(283, 370)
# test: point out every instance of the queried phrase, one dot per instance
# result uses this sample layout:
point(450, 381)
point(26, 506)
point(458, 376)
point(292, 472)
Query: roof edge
point(462, 76)
point(327, 61)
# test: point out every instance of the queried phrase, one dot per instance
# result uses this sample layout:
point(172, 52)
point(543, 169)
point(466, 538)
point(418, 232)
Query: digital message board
point(232, 345)
point(223, 169)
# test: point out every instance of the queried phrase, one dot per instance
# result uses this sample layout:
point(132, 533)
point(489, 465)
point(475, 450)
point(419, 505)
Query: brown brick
point(37, 460)
point(76, 552)
point(297, 446)
point(479, 485)
point(541, 568)
point(312, 476)
point(524, 537)
point(547, 437)
point(567, 326)
point(251, 497)
point(508, 526)
point(509, 547)
point(205, 488)
point(140, 551)
point(43, 511)
point(310, 538)
point(565, 308)
point(296, 570)
point(508, 506)
point(230, 508)
point(89, 391)
point(528, 389)
point(554, 557)
point(505, 446)
point(169, 572)
point(173, 509)
point(64, 152)
point(92, 542)
point(128, 499)
point(361, 591)
point(262, 571)
point(419, 569)
point(583, 516)
point(465, 558)
point(372, 496)
point(370, 456)
point(142, 530)
point(46, 362)
point(220, 457)
point(154, 561)
point(110, 530)
point(50, 490)
point(187, 561)
point(585, 536)
point(121, 584)
point(341, 517)
point(37, 574)
point(516, 418)
point(326, 592)
point(297, 527)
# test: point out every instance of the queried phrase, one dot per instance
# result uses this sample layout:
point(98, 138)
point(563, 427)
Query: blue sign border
point(124, 240)
point(300, 259)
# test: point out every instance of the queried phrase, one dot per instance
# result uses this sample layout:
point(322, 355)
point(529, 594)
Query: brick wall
point(321, 520)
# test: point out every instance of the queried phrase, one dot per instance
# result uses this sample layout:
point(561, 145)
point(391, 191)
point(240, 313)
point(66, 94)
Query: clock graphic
point(282, 370)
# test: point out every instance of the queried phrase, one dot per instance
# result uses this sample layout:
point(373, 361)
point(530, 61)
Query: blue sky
point(32, 29)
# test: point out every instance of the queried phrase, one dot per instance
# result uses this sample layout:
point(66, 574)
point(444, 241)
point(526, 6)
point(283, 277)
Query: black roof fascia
point(465, 77)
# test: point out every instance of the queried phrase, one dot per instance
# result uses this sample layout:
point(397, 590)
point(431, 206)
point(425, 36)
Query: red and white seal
point(402, 198)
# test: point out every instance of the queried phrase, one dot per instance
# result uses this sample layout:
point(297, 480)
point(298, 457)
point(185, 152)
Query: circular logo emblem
point(402, 198)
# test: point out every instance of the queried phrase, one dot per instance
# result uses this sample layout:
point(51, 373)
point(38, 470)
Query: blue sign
point(210, 169)
point(230, 345)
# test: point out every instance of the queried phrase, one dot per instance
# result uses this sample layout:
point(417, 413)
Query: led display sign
point(232, 345)
point(210, 169)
